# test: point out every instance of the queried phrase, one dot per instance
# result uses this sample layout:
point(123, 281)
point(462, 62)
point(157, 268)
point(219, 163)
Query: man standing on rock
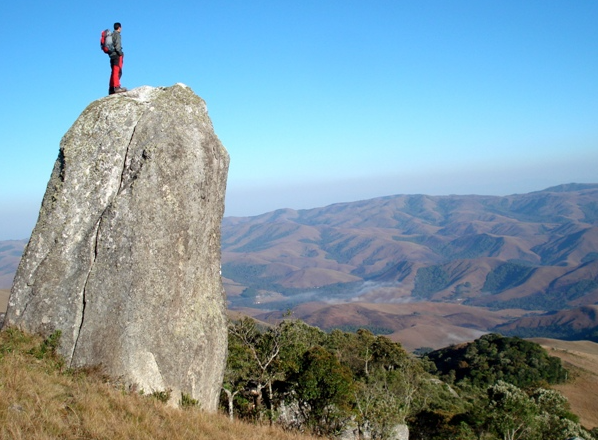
point(116, 62)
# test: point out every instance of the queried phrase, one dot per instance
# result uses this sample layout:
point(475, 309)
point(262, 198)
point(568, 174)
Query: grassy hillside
point(579, 323)
point(39, 399)
point(581, 359)
point(413, 324)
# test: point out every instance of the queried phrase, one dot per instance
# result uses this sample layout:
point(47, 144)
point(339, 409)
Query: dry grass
point(40, 400)
point(581, 359)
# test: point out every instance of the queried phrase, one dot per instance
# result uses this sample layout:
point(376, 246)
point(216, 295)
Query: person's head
point(117, 26)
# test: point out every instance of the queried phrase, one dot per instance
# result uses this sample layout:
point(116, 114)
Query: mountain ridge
point(535, 252)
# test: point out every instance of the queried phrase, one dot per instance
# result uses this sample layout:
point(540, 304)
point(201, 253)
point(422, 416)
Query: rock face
point(125, 256)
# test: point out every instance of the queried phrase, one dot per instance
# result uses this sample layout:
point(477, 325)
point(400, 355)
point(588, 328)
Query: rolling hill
point(480, 263)
point(535, 253)
point(10, 255)
point(415, 325)
point(575, 324)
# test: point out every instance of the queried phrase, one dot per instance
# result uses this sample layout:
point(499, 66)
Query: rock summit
point(125, 257)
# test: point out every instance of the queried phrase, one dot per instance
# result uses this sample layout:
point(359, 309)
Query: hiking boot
point(120, 89)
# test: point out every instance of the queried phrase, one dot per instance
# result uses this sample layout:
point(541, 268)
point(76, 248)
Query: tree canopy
point(494, 357)
point(302, 378)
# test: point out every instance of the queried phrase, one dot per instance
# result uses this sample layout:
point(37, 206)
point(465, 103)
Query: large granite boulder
point(125, 257)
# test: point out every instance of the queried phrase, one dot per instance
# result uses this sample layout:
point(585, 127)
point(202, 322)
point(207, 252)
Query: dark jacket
point(116, 42)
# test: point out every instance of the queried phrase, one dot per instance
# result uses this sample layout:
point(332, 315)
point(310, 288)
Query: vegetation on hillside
point(554, 331)
point(429, 280)
point(493, 357)
point(553, 298)
point(484, 251)
point(299, 378)
point(302, 378)
point(506, 276)
point(40, 399)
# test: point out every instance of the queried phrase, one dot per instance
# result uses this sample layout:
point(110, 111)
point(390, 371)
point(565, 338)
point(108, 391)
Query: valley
point(427, 271)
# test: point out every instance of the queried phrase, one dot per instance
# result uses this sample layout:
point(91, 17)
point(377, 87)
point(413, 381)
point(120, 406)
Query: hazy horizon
point(323, 102)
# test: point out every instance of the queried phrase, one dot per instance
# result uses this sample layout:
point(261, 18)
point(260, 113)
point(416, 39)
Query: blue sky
point(321, 101)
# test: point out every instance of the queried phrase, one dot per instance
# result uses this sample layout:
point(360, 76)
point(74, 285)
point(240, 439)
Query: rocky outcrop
point(125, 257)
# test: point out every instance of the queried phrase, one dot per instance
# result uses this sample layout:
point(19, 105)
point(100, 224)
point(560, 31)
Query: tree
point(259, 357)
point(365, 349)
point(297, 337)
point(381, 403)
point(493, 357)
point(511, 413)
point(352, 349)
point(384, 397)
point(239, 367)
point(387, 354)
point(555, 419)
point(324, 392)
point(543, 414)
point(263, 349)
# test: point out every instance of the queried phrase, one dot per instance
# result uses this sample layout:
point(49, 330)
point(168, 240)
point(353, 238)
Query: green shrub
point(161, 396)
point(187, 401)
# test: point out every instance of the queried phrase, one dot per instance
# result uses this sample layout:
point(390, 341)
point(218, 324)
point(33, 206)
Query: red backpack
point(106, 41)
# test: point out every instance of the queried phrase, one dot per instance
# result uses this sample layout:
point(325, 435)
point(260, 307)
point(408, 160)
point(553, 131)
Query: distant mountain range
point(10, 255)
point(426, 270)
point(534, 253)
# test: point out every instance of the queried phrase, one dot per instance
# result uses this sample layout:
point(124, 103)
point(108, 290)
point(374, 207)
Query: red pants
point(116, 64)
